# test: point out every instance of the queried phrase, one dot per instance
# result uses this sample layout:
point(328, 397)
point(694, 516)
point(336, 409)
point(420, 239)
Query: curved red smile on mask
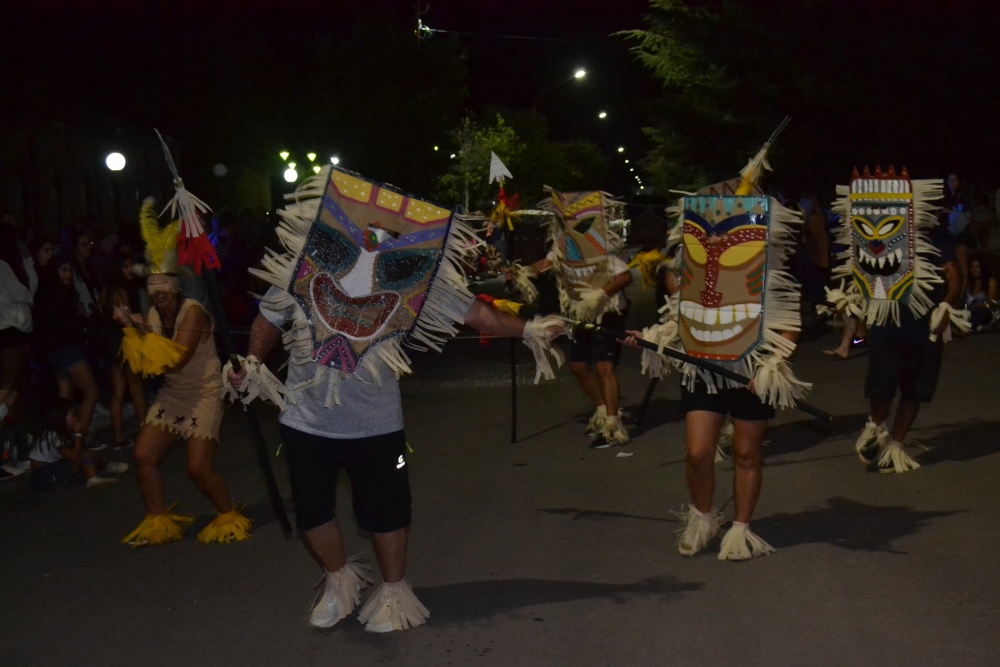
point(356, 317)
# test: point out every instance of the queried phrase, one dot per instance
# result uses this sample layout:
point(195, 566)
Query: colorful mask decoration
point(736, 298)
point(722, 275)
point(371, 267)
point(884, 219)
point(583, 244)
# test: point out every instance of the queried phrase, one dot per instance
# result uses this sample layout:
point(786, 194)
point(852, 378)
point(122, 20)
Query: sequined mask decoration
point(368, 264)
point(584, 240)
point(882, 234)
point(722, 275)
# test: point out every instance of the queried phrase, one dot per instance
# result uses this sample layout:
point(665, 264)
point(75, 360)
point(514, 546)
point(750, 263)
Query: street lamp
point(621, 149)
point(602, 115)
point(115, 161)
point(284, 155)
point(578, 75)
point(311, 156)
point(334, 160)
point(291, 175)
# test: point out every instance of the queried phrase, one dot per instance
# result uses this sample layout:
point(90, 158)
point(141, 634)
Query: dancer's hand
point(632, 338)
point(945, 321)
point(236, 379)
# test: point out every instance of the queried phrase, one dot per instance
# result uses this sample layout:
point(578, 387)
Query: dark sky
point(86, 61)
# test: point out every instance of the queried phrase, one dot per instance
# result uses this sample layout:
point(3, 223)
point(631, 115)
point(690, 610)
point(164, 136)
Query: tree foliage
point(865, 82)
point(467, 181)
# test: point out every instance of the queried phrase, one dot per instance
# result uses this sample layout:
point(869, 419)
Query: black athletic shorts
point(737, 402)
point(376, 467)
point(588, 345)
point(912, 368)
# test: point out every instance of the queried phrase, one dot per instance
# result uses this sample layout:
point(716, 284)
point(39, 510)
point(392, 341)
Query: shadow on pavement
point(795, 437)
point(962, 442)
point(477, 600)
point(846, 523)
point(576, 514)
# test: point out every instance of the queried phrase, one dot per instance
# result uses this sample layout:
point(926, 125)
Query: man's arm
point(263, 337)
point(621, 281)
point(486, 319)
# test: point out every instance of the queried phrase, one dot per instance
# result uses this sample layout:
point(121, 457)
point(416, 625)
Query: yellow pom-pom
point(150, 354)
point(505, 306)
point(229, 527)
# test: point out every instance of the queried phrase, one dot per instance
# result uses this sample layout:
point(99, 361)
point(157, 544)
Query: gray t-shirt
point(367, 407)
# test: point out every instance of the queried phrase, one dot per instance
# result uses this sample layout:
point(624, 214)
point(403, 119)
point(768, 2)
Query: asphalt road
point(545, 552)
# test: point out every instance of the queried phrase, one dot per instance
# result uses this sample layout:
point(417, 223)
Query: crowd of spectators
point(59, 343)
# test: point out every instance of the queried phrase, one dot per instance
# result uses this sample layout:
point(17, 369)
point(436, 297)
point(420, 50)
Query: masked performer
point(590, 280)
point(738, 308)
point(367, 269)
point(176, 338)
point(906, 290)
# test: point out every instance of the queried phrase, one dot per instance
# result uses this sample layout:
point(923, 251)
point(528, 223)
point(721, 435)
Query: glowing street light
point(626, 160)
point(291, 165)
point(577, 75)
point(291, 175)
point(316, 168)
point(284, 155)
point(435, 148)
point(621, 149)
point(115, 161)
point(311, 156)
point(602, 115)
point(580, 73)
point(334, 160)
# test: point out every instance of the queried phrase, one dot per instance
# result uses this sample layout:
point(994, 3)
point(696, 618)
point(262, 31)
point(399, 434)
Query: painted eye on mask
point(583, 226)
point(694, 251)
point(397, 270)
point(741, 254)
point(874, 231)
point(332, 251)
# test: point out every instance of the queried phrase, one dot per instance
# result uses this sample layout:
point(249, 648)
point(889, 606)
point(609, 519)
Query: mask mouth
point(719, 325)
point(357, 318)
point(884, 264)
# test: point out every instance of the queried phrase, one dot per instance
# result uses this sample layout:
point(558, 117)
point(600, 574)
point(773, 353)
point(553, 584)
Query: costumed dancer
point(590, 280)
point(176, 338)
point(366, 269)
point(737, 307)
point(906, 290)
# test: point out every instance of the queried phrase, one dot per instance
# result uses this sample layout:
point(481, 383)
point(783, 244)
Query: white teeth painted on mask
point(899, 256)
point(881, 261)
point(725, 315)
point(736, 330)
point(740, 312)
point(716, 336)
point(753, 309)
point(710, 315)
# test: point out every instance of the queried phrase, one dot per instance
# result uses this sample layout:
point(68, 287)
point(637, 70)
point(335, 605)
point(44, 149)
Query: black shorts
point(589, 345)
point(912, 368)
point(376, 467)
point(736, 402)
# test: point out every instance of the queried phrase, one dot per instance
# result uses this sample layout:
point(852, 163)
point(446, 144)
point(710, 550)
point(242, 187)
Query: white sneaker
point(98, 482)
point(698, 531)
point(341, 594)
point(116, 467)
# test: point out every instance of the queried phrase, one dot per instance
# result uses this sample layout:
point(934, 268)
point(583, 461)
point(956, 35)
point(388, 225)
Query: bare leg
point(201, 457)
point(82, 378)
point(12, 362)
point(588, 382)
point(390, 550)
point(326, 544)
point(906, 414)
point(117, 398)
point(702, 429)
point(150, 448)
point(134, 383)
point(844, 349)
point(748, 439)
point(609, 386)
point(880, 410)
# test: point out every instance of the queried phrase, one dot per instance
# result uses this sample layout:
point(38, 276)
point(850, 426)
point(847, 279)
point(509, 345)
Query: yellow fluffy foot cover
point(157, 529)
point(229, 527)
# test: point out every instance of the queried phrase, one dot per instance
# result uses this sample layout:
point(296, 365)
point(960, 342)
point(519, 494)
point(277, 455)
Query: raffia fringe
point(523, 285)
point(158, 529)
point(957, 319)
point(406, 610)
point(538, 339)
point(894, 456)
point(229, 527)
point(843, 300)
point(259, 382)
point(740, 543)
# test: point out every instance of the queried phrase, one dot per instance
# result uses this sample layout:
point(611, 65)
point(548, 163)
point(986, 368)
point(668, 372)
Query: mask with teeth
point(724, 260)
point(882, 235)
point(368, 264)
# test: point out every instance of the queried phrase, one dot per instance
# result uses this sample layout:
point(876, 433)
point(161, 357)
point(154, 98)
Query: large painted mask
point(882, 234)
point(584, 241)
point(368, 264)
point(722, 275)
